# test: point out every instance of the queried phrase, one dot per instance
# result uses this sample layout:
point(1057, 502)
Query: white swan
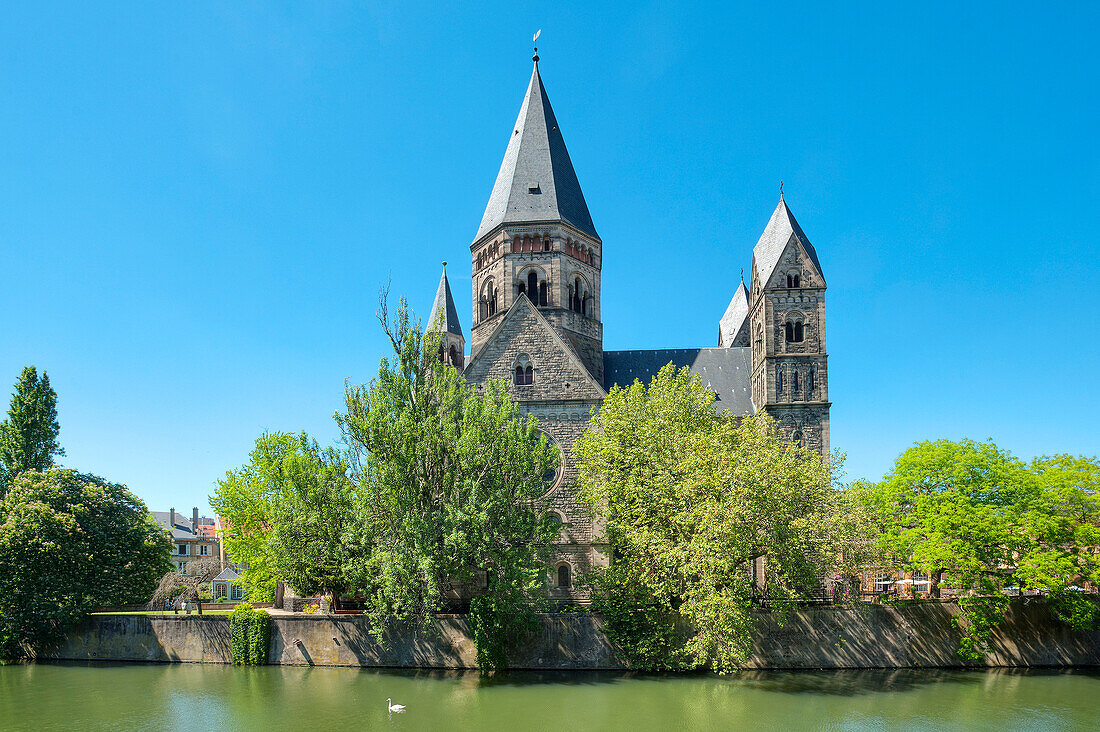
point(394, 707)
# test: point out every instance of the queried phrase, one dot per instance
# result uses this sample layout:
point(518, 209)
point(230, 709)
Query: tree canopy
point(71, 542)
point(28, 437)
point(692, 499)
point(981, 520)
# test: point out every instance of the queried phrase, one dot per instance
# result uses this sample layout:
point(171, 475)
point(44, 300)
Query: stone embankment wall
point(867, 636)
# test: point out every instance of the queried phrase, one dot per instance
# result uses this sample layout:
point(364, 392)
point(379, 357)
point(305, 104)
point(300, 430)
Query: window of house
point(204, 550)
point(236, 592)
point(181, 549)
point(565, 579)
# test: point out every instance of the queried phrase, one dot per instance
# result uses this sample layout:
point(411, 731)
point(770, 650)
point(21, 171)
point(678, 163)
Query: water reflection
point(169, 696)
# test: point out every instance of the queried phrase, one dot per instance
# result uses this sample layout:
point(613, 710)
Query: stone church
point(537, 262)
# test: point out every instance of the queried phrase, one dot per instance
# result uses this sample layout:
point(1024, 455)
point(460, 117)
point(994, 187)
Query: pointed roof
point(445, 304)
point(777, 234)
point(536, 181)
point(736, 317)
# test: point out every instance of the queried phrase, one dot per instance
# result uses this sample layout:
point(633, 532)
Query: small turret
point(444, 319)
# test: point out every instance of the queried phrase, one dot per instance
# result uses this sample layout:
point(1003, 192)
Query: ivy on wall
point(249, 635)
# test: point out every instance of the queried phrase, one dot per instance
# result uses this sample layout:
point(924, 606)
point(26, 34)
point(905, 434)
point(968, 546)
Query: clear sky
point(198, 203)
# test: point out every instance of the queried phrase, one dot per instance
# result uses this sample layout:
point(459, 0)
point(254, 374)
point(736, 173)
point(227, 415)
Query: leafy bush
point(498, 623)
point(240, 620)
point(1078, 611)
point(249, 635)
point(978, 618)
point(259, 636)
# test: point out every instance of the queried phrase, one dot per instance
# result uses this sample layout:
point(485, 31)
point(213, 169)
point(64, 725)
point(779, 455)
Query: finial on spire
point(780, 190)
point(444, 264)
point(742, 275)
point(534, 38)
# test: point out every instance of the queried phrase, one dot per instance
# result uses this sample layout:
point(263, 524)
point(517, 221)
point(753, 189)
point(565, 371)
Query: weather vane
point(534, 39)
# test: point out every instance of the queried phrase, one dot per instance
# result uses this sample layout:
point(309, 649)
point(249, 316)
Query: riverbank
point(917, 635)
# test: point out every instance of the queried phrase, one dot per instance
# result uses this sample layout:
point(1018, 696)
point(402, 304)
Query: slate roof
point(227, 575)
point(536, 181)
point(182, 529)
point(725, 371)
point(445, 303)
point(736, 318)
point(774, 240)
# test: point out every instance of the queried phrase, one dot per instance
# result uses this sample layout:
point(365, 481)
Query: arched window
point(810, 383)
point(794, 381)
point(793, 280)
point(565, 578)
point(796, 438)
point(556, 520)
point(454, 357)
point(793, 330)
point(584, 303)
point(523, 373)
point(544, 294)
point(779, 381)
point(533, 285)
point(487, 305)
point(546, 244)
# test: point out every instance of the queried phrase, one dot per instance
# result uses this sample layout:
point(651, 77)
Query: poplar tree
point(28, 437)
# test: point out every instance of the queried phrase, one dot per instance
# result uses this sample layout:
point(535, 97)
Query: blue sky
point(199, 202)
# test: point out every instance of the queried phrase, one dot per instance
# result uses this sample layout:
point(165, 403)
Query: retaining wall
point(865, 636)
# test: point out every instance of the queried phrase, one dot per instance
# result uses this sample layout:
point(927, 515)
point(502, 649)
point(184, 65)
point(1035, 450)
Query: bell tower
point(790, 373)
point(536, 239)
point(444, 319)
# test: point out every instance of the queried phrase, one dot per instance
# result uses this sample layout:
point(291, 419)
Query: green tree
point(692, 499)
point(317, 531)
point(70, 543)
point(975, 516)
point(28, 437)
point(451, 479)
point(245, 500)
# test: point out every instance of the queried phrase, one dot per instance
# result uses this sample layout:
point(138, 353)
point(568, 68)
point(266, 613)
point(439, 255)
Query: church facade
point(536, 322)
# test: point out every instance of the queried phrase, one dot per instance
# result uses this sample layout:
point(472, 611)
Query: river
point(76, 698)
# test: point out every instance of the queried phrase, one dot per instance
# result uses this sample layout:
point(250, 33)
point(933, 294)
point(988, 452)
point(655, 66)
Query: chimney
point(195, 520)
point(171, 520)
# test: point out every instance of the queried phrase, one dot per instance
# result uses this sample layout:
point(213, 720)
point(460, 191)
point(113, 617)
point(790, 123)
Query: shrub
point(259, 636)
point(240, 621)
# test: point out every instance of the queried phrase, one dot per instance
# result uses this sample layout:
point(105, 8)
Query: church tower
point(536, 239)
point(444, 319)
point(787, 330)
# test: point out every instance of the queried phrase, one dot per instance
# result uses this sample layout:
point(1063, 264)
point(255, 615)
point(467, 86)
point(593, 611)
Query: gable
point(794, 258)
point(523, 336)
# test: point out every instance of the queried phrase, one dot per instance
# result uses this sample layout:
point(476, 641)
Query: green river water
point(210, 697)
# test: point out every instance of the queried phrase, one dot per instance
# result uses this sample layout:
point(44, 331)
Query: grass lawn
point(169, 612)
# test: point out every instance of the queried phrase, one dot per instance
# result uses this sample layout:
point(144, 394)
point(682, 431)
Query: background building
point(191, 539)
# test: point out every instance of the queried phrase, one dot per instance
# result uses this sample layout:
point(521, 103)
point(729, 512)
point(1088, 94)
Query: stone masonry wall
point(865, 636)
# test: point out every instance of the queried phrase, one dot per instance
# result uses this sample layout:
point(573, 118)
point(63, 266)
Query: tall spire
point(777, 234)
point(536, 181)
point(445, 304)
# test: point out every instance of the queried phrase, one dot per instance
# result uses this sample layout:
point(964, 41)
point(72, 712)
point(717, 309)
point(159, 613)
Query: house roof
point(227, 575)
point(736, 316)
point(445, 305)
point(536, 181)
point(725, 371)
point(777, 234)
point(182, 529)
